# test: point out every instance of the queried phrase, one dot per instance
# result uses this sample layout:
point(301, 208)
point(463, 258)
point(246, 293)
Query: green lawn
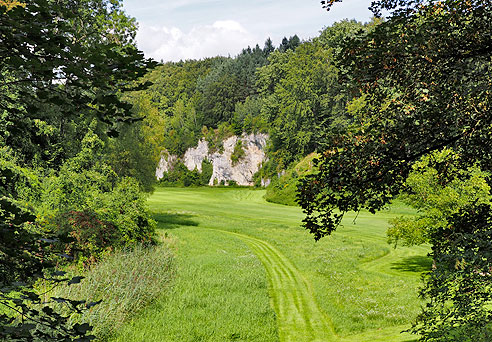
point(247, 271)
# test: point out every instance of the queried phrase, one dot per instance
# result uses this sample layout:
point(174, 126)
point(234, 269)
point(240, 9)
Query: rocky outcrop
point(223, 168)
point(165, 164)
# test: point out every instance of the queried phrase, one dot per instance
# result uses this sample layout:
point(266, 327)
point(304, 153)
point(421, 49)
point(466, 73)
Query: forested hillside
point(292, 93)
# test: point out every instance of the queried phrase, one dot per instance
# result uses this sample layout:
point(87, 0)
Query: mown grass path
point(298, 315)
point(248, 272)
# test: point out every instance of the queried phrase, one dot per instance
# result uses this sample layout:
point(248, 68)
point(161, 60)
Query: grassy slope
point(365, 289)
point(283, 190)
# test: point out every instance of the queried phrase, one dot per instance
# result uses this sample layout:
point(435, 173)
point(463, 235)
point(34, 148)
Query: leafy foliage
point(437, 196)
point(179, 175)
point(25, 254)
point(303, 98)
point(238, 152)
point(87, 237)
point(88, 202)
point(135, 152)
point(62, 66)
point(459, 287)
point(66, 69)
point(424, 75)
point(230, 81)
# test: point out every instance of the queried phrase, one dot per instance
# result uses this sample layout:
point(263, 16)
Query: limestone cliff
point(223, 169)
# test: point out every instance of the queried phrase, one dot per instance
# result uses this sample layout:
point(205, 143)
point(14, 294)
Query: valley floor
point(247, 271)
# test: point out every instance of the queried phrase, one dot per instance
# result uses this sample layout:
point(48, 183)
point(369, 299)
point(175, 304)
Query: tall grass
point(126, 281)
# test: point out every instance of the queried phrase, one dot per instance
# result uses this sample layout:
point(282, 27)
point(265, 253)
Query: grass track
point(349, 287)
point(299, 317)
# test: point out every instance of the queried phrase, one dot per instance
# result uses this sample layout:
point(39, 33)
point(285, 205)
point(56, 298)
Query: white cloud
point(225, 37)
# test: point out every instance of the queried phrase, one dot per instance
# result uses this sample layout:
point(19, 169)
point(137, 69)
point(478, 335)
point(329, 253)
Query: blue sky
point(190, 29)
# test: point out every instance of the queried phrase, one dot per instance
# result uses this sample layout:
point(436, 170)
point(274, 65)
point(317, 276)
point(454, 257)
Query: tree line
point(64, 69)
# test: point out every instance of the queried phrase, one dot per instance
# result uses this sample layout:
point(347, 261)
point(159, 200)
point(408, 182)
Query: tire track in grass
point(298, 315)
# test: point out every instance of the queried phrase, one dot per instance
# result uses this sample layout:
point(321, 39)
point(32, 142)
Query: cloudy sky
point(172, 30)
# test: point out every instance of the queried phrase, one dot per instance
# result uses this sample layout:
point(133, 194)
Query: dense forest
point(291, 92)
point(357, 116)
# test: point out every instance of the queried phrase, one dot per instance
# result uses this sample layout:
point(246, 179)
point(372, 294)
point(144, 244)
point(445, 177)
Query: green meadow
point(248, 271)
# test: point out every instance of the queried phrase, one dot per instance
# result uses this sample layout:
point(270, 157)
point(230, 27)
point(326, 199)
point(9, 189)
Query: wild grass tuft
point(126, 281)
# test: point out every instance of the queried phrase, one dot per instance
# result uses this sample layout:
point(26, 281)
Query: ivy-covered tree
point(424, 78)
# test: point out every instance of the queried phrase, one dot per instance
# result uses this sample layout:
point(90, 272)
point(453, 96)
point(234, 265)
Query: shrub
point(207, 171)
point(181, 176)
point(216, 137)
point(86, 237)
point(238, 152)
point(88, 202)
point(126, 208)
point(191, 178)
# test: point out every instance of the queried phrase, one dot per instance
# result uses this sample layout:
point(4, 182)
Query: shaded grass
point(416, 263)
point(367, 288)
point(170, 220)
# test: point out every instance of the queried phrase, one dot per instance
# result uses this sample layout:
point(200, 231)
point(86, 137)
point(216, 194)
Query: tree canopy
point(423, 77)
point(56, 71)
point(63, 68)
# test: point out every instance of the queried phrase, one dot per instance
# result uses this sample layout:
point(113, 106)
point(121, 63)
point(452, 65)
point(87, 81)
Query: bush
point(216, 137)
point(207, 171)
point(87, 202)
point(191, 178)
point(181, 176)
point(238, 152)
point(126, 282)
point(126, 208)
point(86, 237)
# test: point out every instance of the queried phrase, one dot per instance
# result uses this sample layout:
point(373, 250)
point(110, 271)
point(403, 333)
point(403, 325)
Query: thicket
point(180, 175)
point(423, 75)
point(63, 196)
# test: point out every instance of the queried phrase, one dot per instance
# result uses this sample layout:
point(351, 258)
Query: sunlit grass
point(367, 289)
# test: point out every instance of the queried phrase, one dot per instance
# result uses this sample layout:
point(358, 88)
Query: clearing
point(247, 271)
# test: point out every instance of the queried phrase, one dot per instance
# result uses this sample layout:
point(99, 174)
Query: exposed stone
point(223, 170)
point(194, 156)
point(165, 164)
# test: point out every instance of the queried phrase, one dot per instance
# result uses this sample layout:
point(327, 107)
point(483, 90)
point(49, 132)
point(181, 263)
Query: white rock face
point(165, 164)
point(223, 170)
point(194, 156)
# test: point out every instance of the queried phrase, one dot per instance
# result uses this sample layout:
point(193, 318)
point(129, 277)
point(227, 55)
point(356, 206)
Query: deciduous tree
point(424, 77)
